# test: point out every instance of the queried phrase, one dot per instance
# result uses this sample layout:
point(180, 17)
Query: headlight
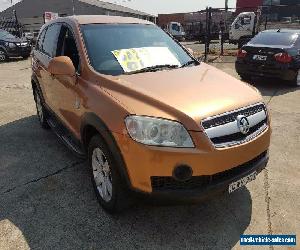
point(10, 45)
point(158, 132)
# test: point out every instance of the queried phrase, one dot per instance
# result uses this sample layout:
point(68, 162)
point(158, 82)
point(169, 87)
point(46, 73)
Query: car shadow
point(47, 202)
point(13, 59)
point(272, 87)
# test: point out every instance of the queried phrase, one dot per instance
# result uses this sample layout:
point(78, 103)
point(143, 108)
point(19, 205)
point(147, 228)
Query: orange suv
point(148, 116)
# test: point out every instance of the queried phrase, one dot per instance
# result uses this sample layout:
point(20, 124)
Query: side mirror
point(61, 65)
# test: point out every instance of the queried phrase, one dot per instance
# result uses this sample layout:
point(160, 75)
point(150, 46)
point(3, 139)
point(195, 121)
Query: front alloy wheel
point(111, 190)
point(102, 174)
point(3, 56)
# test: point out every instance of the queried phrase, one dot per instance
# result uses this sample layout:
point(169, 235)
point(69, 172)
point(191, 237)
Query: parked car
point(272, 53)
point(12, 46)
point(147, 115)
point(28, 36)
point(176, 30)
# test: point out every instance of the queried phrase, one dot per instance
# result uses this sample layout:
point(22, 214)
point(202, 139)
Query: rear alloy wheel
point(41, 112)
point(111, 190)
point(245, 77)
point(296, 81)
point(3, 56)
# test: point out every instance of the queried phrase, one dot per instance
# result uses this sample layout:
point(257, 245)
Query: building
point(193, 17)
point(248, 5)
point(30, 13)
point(164, 19)
point(275, 10)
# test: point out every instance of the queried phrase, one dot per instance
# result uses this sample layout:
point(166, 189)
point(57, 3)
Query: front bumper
point(283, 72)
point(145, 162)
point(210, 185)
point(19, 51)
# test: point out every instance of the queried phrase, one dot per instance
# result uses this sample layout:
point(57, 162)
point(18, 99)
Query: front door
point(67, 102)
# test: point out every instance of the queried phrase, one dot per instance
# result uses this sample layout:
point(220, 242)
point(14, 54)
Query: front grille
point(237, 136)
point(231, 117)
point(160, 183)
point(223, 129)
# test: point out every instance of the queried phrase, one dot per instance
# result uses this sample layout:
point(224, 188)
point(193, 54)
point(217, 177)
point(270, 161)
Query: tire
point(296, 81)
point(25, 57)
point(245, 77)
point(40, 109)
point(111, 191)
point(3, 56)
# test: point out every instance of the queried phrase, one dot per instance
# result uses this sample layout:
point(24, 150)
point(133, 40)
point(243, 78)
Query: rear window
point(275, 38)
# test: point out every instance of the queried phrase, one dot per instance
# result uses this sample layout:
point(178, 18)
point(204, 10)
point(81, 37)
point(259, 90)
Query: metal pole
point(73, 6)
point(206, 36)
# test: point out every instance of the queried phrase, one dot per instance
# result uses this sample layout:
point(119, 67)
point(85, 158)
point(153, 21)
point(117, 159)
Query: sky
point(157, 6)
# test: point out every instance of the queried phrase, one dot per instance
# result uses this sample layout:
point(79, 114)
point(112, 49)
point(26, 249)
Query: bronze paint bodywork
point(186, 95)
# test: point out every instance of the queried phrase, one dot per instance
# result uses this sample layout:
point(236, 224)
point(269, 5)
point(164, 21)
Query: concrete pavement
point(47, 200)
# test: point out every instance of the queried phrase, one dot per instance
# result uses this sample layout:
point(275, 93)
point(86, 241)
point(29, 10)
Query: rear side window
point(40, 40)
point(50, 40)
point(275, 38)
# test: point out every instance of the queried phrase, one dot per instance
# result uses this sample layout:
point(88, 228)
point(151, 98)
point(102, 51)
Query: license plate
point(259, 58)
point(242, 182)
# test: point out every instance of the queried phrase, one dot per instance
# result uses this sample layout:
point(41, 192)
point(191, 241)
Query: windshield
point(275, 38)
point(115, 49)
point(5, 34)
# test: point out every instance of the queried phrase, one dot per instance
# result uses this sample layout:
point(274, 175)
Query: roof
point(87, 19)
point(34, 8)
point(282, 31)
point(113, 7)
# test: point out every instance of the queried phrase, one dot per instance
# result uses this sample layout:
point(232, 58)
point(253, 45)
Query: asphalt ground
point(47, 200)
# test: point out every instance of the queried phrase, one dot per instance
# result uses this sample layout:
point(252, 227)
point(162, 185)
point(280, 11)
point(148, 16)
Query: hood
point(14, 39)
point(181, 94)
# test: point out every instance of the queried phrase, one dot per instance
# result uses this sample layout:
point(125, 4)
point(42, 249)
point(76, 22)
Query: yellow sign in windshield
point(138, 58)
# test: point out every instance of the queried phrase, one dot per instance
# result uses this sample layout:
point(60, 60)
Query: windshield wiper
point(153, 68)
point(188, 63)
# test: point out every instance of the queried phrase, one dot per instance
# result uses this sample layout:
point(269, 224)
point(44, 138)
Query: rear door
point(45, 51)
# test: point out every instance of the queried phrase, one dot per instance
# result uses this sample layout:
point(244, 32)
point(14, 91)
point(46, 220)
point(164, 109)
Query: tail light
point(283, 58)
point(241, 53)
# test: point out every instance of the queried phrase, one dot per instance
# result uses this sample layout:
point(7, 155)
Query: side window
point(175, 27)
point(50, 41)
point(66, 46)
point(297, 44)
point(40, 40)
point(246, 20)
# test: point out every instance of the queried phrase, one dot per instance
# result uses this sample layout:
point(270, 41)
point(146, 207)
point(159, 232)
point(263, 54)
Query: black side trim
point(65, 135)
point(91, 119)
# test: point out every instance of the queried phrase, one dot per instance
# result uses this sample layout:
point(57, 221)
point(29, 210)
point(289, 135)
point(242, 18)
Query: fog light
point(183, 173)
